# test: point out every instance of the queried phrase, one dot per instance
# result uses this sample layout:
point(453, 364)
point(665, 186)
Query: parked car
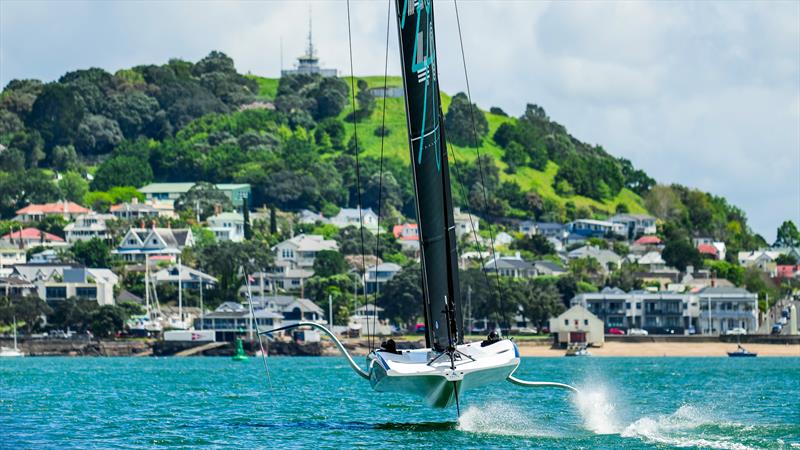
point(777, 328)
point(691, 330)
point(637, 332)
point(736, 332)
point(616, 331)
point(420, 328)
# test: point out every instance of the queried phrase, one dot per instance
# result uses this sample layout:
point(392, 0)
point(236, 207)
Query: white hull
point(6, 352)
point(412, 372)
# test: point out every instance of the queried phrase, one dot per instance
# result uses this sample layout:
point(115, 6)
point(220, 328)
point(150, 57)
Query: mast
point(431, 174)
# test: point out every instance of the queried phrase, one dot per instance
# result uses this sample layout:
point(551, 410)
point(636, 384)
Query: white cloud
point(706, 94)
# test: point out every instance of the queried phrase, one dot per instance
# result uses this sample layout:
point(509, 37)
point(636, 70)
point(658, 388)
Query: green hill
point(396, 146)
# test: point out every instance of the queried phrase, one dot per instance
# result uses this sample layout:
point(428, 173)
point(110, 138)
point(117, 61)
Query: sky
point(705, 94)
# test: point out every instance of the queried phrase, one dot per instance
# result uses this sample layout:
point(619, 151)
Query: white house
point(189, 278)
point(578, 326)
point(134, 210)
point(32, 237)
point(141, 242)
point(635, 224)
point(10, 256)
point(726, 308)
point(37, 212)
point(88, 226)
point(465, 222)
point(608, 259)
point(652, 261)
point(227, 226)
point(377, 276)
point(59, 282)
point(510, 266)
point(301, 250)
point(351, 217)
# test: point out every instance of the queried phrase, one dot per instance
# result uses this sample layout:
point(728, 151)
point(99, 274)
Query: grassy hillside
point(396, 146)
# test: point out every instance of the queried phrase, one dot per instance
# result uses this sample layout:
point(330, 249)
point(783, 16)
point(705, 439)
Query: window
point(586, 322)
point(638, 306)
point(566, 322)
point(56, 292)
point(86, 292)
point(627, 305)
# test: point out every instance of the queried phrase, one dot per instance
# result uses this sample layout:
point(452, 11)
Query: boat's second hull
point(440, 381)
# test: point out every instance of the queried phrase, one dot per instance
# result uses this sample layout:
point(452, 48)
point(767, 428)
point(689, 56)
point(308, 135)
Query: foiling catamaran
point(448, 365)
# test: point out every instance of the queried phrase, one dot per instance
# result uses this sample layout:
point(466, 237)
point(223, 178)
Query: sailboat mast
point(431, 174)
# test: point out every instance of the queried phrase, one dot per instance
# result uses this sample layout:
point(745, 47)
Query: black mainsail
point(431, 175)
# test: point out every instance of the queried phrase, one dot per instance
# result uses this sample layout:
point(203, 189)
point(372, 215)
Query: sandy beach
point(665, 349)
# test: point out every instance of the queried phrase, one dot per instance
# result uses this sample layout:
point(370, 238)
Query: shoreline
point(665, 349)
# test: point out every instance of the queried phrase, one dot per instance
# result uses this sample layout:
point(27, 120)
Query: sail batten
point(428, 156)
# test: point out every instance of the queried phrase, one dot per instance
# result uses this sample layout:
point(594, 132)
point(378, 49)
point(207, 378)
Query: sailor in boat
point(447, 365)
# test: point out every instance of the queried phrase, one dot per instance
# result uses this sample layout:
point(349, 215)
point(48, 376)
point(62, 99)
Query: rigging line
point(480, 164)
point(380, 172)
point(469, 214)
point(258, 333)
point(358, 165)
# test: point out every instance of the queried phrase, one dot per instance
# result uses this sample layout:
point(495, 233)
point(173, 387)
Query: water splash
point(679, 429)
point(596, 409)
point(501, 419)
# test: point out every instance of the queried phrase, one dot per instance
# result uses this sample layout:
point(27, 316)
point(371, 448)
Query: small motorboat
point(742, 352)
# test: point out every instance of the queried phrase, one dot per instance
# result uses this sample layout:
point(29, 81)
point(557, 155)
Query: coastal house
point(596, 228)
point(27, 238)
point(787, 272)
point(310, 217)
point(58, 282)
point(503, 238)
point(301, 250)
point(726, 308)
point(169, 192)
point(165, 242)
point(352, 217)
point(551, 229)
point(11, 255)
point(607, 258)
point(231, 320)
point(544, 267)
point(15, 286)
point(652, 262)
point(465, 223)
point(88, 226)
point(577, 325)
point(227, 226)
point(510, 266)
point(764, 260)
point(656, 312)
point(189, 278)
point(367, 321)
point(375, 277)
point(38, 212)
point(635, 224)
point(407, 236)
point(134, 210)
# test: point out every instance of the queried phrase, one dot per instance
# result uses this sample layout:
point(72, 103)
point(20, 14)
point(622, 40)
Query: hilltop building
point(308, 64)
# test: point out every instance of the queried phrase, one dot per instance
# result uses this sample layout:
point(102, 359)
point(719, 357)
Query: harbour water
point(320, 403)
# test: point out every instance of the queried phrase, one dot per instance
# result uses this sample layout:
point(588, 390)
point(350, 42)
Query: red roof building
point(708, 249)
point(36, 212)
point(406, 232)
point(31, 237)
point(787, 271)
point(648, 240)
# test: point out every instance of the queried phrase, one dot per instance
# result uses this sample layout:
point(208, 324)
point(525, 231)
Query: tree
point(57, 114)
point(786, 260)
point(64, 158)
point(122, 170)
point(202, 199)
point(537, 244)
point(680, 253)
point(540, 302)
point(228, 261)
point(328, 263)
point(108, 320)
point(466, 125)
point(788, 235)
point(73, 187)
point(21, 188)
point(586, 269)
point(91, 253)
point(29, 310)
point(625, 278)
point(366, 101)
point(73, 313)
point(97, 135)
point(401, 298)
